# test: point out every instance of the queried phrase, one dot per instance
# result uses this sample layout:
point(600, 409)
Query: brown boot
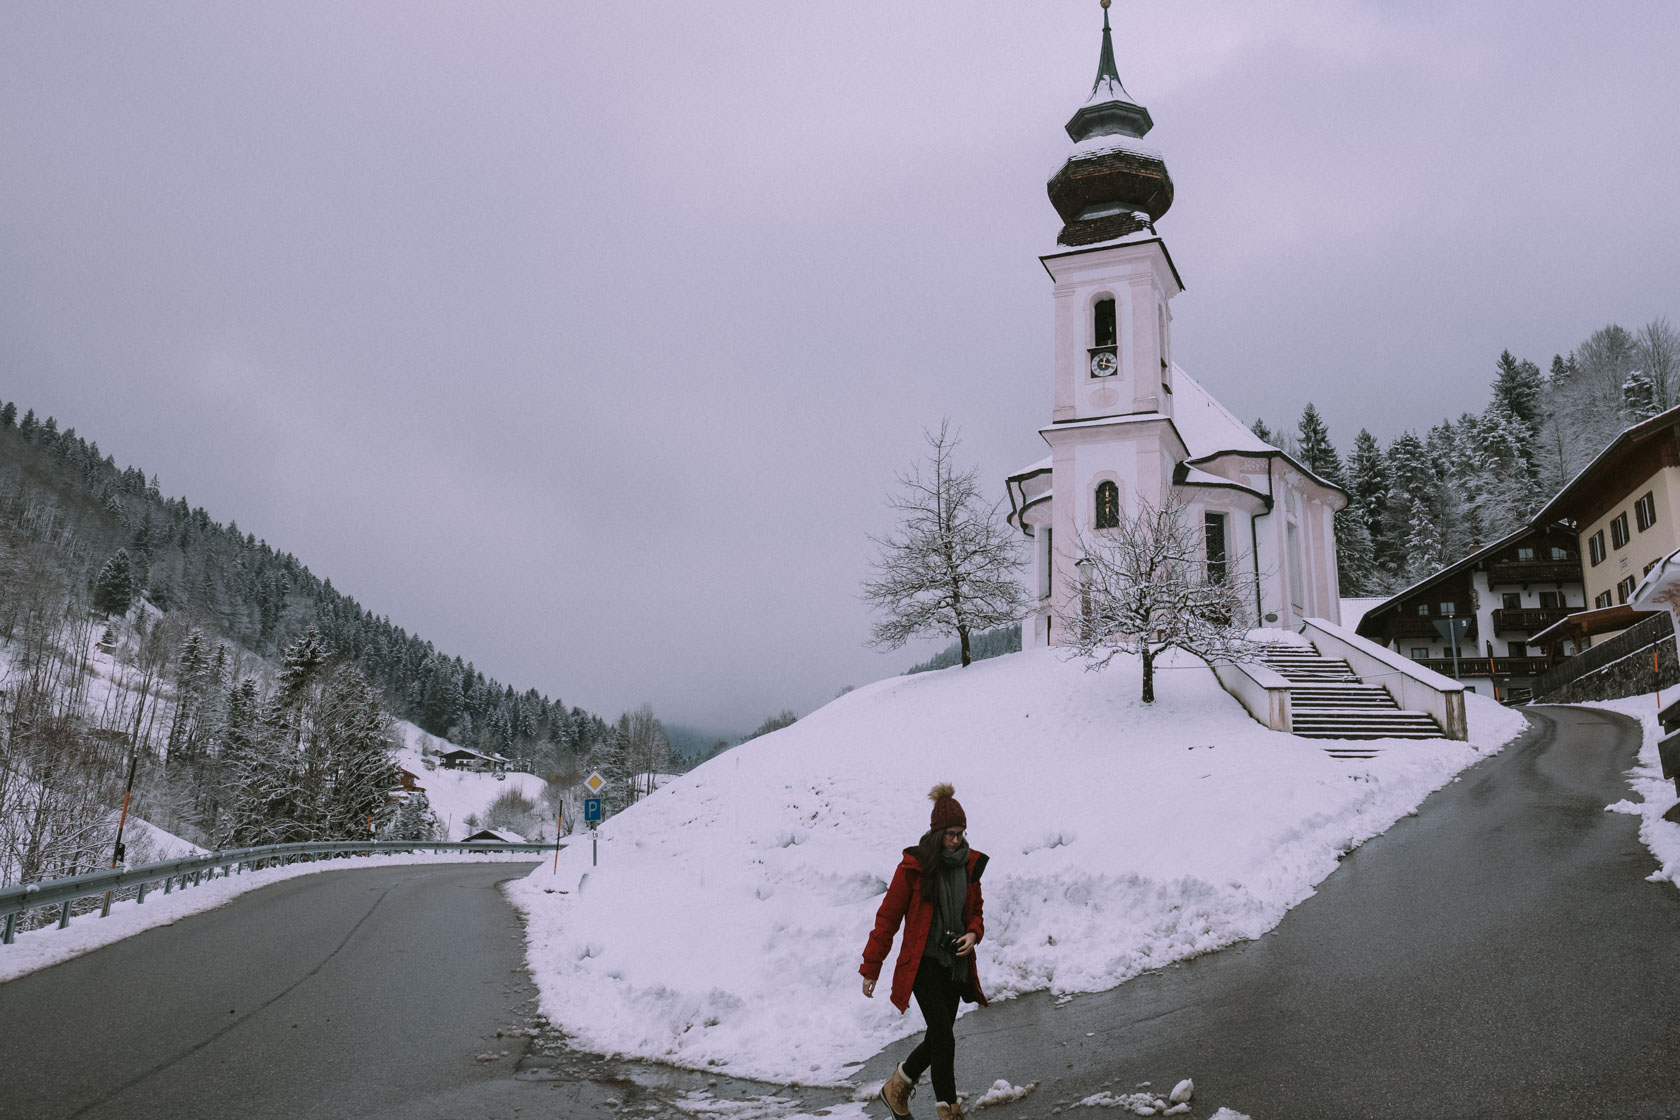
point(896, 1093)
point(949, 1111)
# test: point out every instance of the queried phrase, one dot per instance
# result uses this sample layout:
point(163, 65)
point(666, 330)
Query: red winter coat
point(904, 902)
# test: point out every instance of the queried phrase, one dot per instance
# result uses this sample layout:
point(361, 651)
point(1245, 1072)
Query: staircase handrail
point(62, 892)
point(1414, 687)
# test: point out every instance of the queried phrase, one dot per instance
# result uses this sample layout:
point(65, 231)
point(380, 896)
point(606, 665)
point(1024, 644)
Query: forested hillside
point(1431, 498)
point(253, 699)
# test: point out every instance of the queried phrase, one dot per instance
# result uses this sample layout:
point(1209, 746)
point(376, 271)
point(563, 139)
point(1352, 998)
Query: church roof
point(1206, 426)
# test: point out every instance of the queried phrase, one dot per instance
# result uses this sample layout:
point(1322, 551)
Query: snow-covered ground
point(454, 795)
point(725, 922)
point(1655, 792)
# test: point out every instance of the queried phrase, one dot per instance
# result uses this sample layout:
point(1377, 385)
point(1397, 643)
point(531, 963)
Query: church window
point(1104, 332)
point(1108, 505)
point(1214, 533)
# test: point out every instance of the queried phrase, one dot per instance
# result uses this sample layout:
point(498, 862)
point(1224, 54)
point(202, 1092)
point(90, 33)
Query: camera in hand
point(948, 942)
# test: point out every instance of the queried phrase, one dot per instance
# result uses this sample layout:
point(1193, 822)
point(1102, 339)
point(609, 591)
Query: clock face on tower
point(1103, 363)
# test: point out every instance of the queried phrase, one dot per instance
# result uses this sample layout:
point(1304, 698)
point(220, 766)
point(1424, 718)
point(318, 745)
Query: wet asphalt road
point(348, 993)
point(1498, 955)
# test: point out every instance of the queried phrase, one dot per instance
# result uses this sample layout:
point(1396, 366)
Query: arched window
point(1108, 505)
point(1102, 325)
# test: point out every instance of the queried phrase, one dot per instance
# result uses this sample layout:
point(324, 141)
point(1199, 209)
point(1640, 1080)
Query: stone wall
point(1628, 676)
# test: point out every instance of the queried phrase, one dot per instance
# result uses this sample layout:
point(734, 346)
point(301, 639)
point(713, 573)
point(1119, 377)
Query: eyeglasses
point(956, 833)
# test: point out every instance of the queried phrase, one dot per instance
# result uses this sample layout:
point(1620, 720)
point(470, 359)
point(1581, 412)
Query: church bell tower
point(1112, 275)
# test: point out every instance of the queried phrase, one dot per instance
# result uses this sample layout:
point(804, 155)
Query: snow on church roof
point(1206, 426)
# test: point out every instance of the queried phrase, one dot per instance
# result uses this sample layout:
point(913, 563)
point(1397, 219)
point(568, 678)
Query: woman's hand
point(869, 988)
point(965, 944)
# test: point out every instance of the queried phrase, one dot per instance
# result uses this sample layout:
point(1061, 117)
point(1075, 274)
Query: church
point(1128, 425)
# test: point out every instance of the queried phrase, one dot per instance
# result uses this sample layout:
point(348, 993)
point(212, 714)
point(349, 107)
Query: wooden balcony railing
point(1534, 571)
point(1528, 618)
point(1488, 667)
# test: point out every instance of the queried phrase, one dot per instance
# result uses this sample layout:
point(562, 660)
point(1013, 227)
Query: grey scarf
point(949, 893)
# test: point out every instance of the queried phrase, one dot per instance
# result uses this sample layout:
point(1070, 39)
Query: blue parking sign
point(591, 809)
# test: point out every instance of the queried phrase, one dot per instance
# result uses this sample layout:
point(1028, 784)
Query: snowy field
point(725, 923)
point(1655, 792)
point(455, 795)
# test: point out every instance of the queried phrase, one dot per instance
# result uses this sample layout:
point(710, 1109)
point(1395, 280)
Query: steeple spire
point(1106, 69)
point(1110, 110)
point(1111, 186)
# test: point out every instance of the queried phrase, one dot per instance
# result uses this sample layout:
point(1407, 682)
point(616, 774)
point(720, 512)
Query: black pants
point(937, 995)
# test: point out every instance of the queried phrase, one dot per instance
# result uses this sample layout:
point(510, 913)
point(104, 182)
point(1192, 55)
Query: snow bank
point(725, 923)
point(1656, 793)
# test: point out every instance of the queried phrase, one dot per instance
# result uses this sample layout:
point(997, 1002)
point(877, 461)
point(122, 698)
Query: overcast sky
point(584, 339)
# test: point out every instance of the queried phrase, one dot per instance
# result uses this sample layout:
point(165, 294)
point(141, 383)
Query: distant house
point(497, 836)
point(1624, 509)
point(408, 783)
point(462, 758)
point(1512, 592)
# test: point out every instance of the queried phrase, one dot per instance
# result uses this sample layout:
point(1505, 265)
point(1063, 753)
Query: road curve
point(1499, 955)
point(350, 993)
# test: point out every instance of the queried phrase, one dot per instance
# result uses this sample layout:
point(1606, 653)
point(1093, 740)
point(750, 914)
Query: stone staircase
point(1328, 701)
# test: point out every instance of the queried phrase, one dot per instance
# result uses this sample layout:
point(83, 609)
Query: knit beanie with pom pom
point(947, 810)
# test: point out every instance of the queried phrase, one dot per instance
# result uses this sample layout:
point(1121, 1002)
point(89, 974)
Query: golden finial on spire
point(1105, 4)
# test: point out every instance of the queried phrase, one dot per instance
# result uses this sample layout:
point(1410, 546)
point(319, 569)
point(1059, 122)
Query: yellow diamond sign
point(595, 783)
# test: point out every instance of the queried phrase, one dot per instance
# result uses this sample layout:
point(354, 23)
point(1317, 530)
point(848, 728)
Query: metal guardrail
point(63, 893)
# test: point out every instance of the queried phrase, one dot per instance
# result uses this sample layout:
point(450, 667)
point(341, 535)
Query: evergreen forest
point(1430, 498)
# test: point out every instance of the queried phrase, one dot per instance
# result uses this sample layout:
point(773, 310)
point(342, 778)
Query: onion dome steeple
point(1112, 184)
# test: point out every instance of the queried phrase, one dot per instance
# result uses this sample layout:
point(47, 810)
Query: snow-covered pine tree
point(1368, 487)
point(114, 588)
point(1354, 560)
point(356, 744)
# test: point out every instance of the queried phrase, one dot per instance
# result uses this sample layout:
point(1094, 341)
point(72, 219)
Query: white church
point(1126, 423)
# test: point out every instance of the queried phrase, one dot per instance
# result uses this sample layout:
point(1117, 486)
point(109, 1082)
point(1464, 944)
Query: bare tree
point(951, 566)
point(1145, 588)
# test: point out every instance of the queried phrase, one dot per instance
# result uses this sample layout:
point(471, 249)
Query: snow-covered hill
point(454, 795)
point(725, 922)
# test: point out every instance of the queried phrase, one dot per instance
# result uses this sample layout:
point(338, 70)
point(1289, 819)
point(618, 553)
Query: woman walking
point(936, 894)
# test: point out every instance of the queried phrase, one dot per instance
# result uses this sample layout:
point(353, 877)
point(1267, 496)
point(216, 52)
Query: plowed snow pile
point(725, 922)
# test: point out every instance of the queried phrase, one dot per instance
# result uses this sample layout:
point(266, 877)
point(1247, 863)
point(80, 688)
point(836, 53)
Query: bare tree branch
point(951, 566)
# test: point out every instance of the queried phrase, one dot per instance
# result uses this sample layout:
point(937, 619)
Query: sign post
point(1452, 629)
point(592, 813)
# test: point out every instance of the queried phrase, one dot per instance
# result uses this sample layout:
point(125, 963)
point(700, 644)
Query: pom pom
point(943, 789)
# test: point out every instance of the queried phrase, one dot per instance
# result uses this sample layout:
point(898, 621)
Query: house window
point(1214, 532)
point(1420, 653)
point(1108, 505)
point(1446, 610)
point(1423, 610)
point(1648, 568)
point(1595, 548)
point(1551, 599)
point(1645, 511)
point(1525, 554)
point(1619, 531)
point(1559, 553)
point(1625, 588)
point(1601, 600)
point(1512, 600)
point(1102, 322)
point(1519, 649)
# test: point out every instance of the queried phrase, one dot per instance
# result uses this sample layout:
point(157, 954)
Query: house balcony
point(1416, 627)
point(1489, 666)
point(1534, 571)
point(1528, 619)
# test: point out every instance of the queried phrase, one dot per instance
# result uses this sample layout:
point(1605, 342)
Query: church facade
point(1127, 425)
